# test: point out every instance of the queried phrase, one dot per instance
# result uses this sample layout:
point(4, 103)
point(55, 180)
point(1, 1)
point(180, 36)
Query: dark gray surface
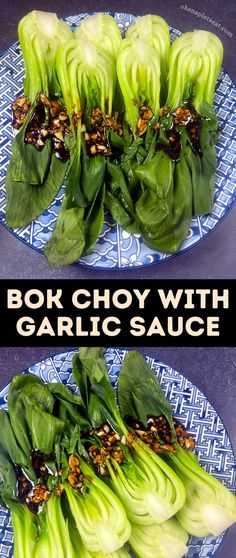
point(212, 370)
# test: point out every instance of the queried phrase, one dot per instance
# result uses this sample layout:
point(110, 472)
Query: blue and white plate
point(116, 248)
point(189, 405)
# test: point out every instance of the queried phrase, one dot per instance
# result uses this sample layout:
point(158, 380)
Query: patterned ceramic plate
point(115, 247)
point(189, 405)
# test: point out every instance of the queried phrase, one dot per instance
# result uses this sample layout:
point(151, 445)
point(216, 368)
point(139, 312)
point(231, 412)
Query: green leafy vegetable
point(35, 175)
point(24, 531)
point(154, 30)
point(140, 133)
point(102, 30)
point(195, 61)
point(210, 507)
point(54, 537)
point(99, 515)
point(147, 488)
point(138, 72)
point(140, 394)
point(87, 78)
point(40, 34)
point(159, 541)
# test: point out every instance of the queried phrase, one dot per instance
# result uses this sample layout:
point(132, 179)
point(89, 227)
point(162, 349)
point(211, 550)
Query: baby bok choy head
point(155, 31)
point(102, 30)
point(210, 507)
point(53, 532)
point(146, 487)
point(138, 72)
point(85, 553)
point(40, 34)
point(25, 531)
point(98, 514)
point(39, 159)
point(87, 78)
point(159, 541)
point(195, 61)
point(149, 491)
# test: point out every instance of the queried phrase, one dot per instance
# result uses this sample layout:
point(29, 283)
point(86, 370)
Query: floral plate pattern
point(189, 405)
point(117, 249)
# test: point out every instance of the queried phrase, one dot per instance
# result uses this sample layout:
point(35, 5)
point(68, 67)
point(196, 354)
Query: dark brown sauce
point(188, 118)
point(26, 489)
point(39, 459)
point(33, 133)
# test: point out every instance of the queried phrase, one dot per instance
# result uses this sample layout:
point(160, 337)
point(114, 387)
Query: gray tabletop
point(213, 370)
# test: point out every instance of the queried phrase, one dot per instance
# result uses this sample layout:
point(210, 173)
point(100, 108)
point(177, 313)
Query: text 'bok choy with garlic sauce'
point(39, 160)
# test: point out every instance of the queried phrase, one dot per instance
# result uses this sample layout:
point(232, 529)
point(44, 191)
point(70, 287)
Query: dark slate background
point(213, 370)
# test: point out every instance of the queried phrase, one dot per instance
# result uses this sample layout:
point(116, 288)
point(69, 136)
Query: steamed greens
point(154, 30)
point(37, 478)
point(138, 72)
point(159, 541)
point(132, 120)
point(35, 175)
point(146, 487)
point(87, 78)
point(210, 507)
point(81, 476)
point(40, 34)
point(102, 30)
point(195, 62)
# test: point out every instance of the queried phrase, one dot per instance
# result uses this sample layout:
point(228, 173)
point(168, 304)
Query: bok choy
point(87, 77)
point(155, 31)
point(146, 487)
point(210, 507)
point(138, 72)
point(133, 117)
point(159, 541)
point(36, 172)
point(98, 514)
point(45, 486)
point(195, 61)
point(102, 30)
